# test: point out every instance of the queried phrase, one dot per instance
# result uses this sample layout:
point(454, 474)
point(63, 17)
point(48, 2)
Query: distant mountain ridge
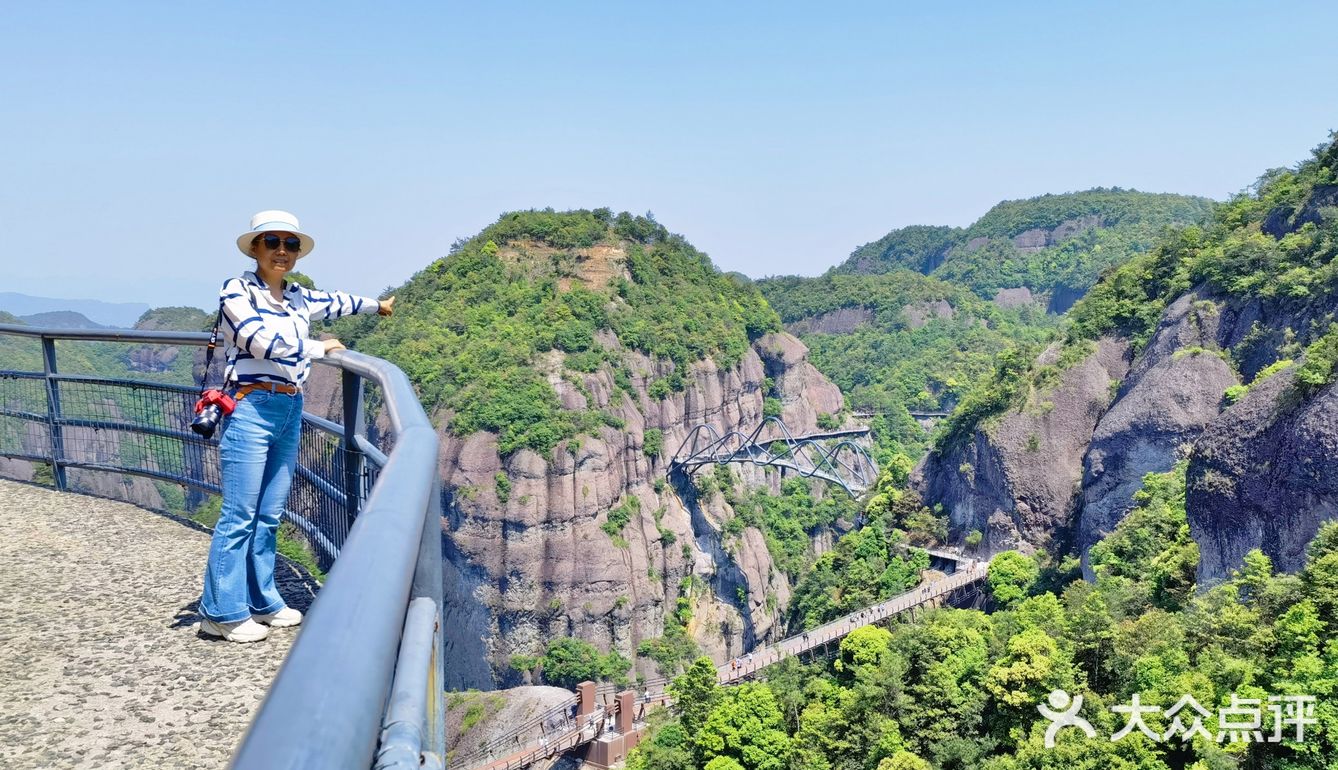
point(1055, 246)
point(61, 319)
point(120, 315)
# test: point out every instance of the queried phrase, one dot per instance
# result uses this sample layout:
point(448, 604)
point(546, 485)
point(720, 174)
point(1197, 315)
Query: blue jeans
point(258, 453)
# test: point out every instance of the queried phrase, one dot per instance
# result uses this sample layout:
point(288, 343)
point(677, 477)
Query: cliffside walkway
point(829, 455)
point(575, 724)
point(102, 661)
point(864, 414)
point(930, 594)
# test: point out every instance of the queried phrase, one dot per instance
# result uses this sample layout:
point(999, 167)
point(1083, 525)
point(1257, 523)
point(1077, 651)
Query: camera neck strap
point(209, 351)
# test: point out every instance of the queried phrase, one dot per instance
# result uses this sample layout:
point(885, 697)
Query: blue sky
point(136, 139)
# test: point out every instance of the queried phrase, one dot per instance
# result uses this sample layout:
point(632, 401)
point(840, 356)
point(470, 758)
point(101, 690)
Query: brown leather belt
point(287, 388)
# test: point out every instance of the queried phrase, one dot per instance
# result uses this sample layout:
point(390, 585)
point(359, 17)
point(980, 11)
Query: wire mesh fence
point(130, 426)
point(24, 431)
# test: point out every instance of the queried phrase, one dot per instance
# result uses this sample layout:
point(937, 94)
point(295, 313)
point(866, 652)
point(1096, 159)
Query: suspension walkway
point(611, 722)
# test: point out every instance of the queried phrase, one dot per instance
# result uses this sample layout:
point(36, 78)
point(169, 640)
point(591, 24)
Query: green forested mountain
point(961, 688)
point(475, 323)
point(907, 323)
point(911, 342)
point(1055, 245)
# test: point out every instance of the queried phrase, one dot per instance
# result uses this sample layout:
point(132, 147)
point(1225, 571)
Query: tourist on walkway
point(265, 322)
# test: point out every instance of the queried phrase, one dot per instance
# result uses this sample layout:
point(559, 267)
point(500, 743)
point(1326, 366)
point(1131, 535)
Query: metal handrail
point(328, 705)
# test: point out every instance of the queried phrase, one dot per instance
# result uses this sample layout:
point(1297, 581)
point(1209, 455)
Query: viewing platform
point(103, 663)
point(101, 660)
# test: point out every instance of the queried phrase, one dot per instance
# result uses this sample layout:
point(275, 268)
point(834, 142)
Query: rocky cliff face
point(841, 321)
point(1016, 480)
point(1173, 391)
point(1260, 474)
point(529, 560)
point(1038, 238)
point(1264, 475)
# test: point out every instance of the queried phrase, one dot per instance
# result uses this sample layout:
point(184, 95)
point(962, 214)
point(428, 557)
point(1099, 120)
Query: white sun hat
point(274, 221)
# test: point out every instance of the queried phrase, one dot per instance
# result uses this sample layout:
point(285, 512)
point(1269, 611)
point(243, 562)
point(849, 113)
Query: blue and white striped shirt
point(266, 338)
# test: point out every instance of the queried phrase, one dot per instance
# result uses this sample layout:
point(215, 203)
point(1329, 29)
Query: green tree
point(1032, 666)
point(569, 661)
point(1320, 575)
point(863, 649)
point(746, 726)
point(903, 760)
point(669, 748)
point(1011, 575)
point(695, 693)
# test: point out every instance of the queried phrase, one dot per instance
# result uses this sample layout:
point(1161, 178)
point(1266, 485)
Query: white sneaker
point(282, 619)
point(242, 631)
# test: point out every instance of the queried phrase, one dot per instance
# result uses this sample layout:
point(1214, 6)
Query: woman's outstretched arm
point(336, 304)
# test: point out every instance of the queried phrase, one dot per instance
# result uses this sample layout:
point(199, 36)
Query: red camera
point(211, 407)
point(213, 397)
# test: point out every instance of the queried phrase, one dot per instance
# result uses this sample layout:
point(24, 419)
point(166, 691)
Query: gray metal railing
point(362, 684)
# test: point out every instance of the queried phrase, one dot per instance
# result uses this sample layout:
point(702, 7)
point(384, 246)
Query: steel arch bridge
point(830, 456)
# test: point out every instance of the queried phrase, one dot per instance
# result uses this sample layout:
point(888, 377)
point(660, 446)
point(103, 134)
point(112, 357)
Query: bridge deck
point(101, 662)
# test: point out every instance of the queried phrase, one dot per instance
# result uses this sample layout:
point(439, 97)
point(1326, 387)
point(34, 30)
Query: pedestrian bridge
point(831, 455)
point(606, 724)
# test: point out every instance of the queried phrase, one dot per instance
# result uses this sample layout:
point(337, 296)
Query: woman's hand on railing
point(385, 307)
point(332, 344)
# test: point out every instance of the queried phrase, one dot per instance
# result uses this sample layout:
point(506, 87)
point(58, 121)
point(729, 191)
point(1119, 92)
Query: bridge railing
point(362, 684)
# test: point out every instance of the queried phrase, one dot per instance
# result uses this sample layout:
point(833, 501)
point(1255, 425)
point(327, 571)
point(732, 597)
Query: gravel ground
point(101, 660)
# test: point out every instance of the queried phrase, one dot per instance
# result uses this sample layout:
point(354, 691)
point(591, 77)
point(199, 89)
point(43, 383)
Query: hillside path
point(101, 661)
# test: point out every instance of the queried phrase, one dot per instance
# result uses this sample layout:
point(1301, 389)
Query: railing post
point(355, 424)
point(53, 412)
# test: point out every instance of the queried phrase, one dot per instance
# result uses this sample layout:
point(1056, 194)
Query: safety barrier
point(362, 683)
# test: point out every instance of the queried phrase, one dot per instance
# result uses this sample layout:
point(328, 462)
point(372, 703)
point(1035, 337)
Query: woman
point(266, 321)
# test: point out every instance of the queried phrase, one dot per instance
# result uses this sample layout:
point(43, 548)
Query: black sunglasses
point(291, 243)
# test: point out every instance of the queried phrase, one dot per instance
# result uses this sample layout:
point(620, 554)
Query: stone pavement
point(101, 661)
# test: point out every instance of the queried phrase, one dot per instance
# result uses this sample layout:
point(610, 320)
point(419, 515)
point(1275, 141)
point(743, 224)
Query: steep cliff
point(530, 553)
point(564, 358)
point(1016, 476)
point(1173, 391)
point(1264, 475)
point(1236, 356)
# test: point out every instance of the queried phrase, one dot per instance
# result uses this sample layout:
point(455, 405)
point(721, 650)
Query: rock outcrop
point(1038, 238)
point(529, 558)
point(1261, 473)
point(918, 314)
point(1173, 391)
point(840, 321)
point(1016, 480)
point(1264, 475)
point(1019, 297)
